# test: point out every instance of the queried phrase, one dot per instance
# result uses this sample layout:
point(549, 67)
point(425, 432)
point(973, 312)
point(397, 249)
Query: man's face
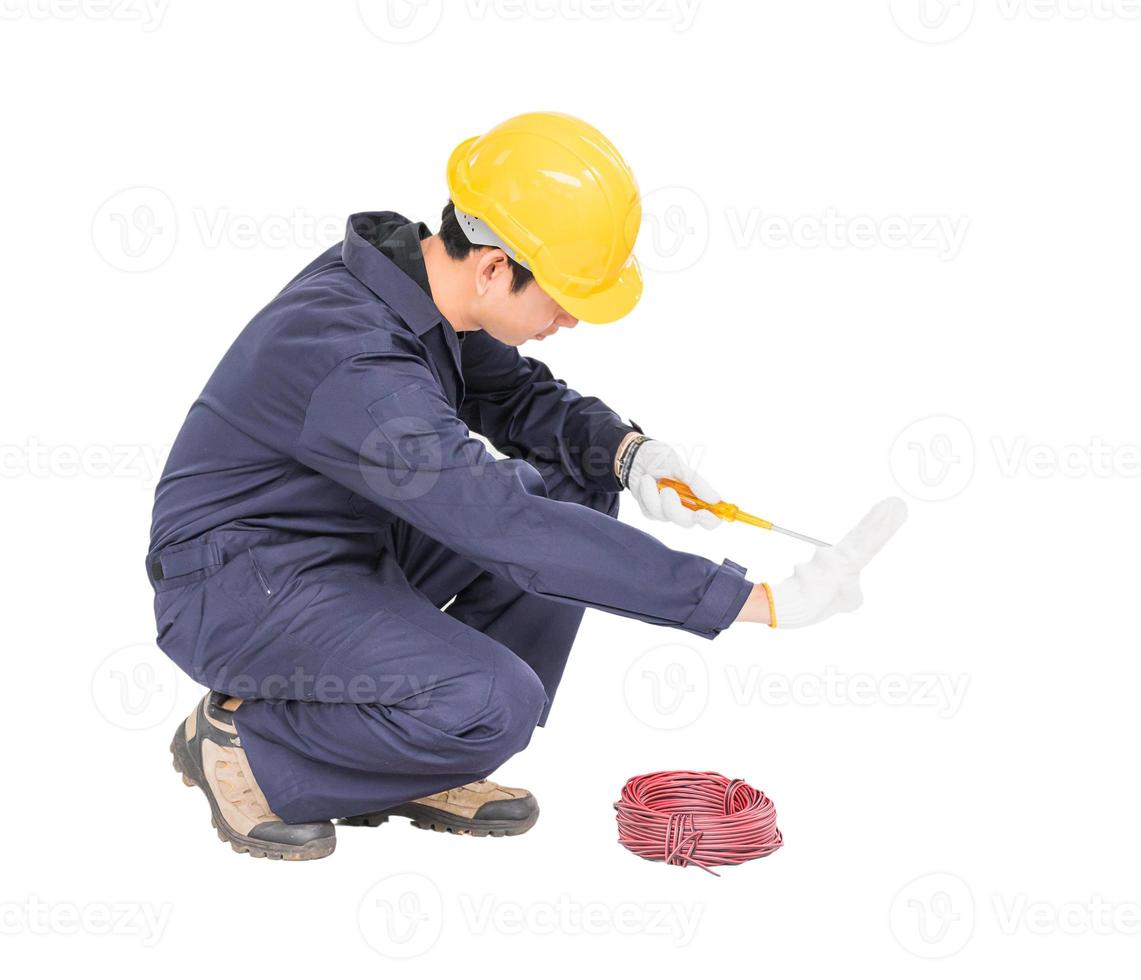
point(513, 318)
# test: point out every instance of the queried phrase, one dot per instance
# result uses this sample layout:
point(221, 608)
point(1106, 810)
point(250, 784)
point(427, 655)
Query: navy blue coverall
point(325, 498)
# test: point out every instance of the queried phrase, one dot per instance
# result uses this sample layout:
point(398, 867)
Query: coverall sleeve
point(523, 410)
point(380, 425)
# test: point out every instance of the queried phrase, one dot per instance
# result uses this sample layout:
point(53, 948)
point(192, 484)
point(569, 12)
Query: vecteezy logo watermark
point(298, 228)
point(679, 14)
point(670, 687)
point(35, 917)
point(136, 229)
point(135, 687)
point(933, 916)
point(402, 457)
point(1093, 916)
point(836, 688)
point(401, 21)
point(147, 13)
point(38, 460)
point(675, 229)
point(932, 21)
point(941, 234)
point(408, 21)
point(1076, 10)
point(568, 917)
point(1096, 458)
point(413, 692)
point(401, 916)
point(933, 458)
point(667, 687)
point(936, 21)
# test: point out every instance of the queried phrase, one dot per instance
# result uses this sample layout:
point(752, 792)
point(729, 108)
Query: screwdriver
point(731, 512)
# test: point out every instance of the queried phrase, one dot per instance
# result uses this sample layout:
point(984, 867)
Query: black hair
point(458, 247)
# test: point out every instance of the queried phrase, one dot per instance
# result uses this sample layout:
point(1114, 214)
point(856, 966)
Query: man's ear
point(489, 269)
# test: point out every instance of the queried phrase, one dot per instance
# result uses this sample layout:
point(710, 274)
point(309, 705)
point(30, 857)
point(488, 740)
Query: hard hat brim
point(607, 305)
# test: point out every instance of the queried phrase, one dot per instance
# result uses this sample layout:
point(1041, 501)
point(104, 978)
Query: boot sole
point(429, 818)
point(185, 765)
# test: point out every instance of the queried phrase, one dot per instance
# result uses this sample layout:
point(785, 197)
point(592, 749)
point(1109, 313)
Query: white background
point(954, 766)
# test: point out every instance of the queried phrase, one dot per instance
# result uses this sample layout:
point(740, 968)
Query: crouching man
point(381, 608)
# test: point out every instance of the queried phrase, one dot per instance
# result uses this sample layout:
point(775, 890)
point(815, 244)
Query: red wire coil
point(701, 818)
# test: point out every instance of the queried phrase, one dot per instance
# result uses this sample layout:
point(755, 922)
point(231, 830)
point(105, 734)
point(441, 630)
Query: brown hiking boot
point(480, 809)
point(209, 754)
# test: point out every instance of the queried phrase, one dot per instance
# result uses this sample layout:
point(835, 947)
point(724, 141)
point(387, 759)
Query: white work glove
point(653, 461)
point(830, 582)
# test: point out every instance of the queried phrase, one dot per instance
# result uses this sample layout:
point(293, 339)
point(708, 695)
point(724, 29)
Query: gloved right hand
point(830, 582)
point(654, 460)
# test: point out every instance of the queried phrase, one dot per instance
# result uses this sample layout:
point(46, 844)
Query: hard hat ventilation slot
point(478, 232)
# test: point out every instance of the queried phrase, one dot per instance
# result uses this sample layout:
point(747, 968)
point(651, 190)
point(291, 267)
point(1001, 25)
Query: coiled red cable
point(700, 818)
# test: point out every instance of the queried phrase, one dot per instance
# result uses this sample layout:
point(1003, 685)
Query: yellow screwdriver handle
point(726, 511)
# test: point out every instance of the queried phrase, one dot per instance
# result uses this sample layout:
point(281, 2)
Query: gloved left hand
point(830, 582)
point(653, 461)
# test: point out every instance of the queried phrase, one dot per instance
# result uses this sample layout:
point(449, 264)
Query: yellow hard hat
point(555, 194)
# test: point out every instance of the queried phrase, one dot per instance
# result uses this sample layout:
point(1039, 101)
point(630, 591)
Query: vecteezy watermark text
point(34, 916)
point(403, 915)
point(835, 687)
point(942, 234)
point(148, 14)
point(40, 460)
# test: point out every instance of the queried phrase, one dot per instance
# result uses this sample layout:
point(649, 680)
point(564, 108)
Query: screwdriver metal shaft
point(802, 537)
point(731, 512)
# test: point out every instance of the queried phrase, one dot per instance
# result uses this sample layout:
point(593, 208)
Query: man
point(325, 501)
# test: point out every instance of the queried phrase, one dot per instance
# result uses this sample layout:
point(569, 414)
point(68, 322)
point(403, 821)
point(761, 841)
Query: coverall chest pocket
point(402, 457)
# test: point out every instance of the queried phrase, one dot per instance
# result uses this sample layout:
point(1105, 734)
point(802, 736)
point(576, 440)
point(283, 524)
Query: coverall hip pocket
point(213, 628)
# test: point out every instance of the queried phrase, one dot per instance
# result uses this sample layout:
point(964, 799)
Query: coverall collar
point(362, 257)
